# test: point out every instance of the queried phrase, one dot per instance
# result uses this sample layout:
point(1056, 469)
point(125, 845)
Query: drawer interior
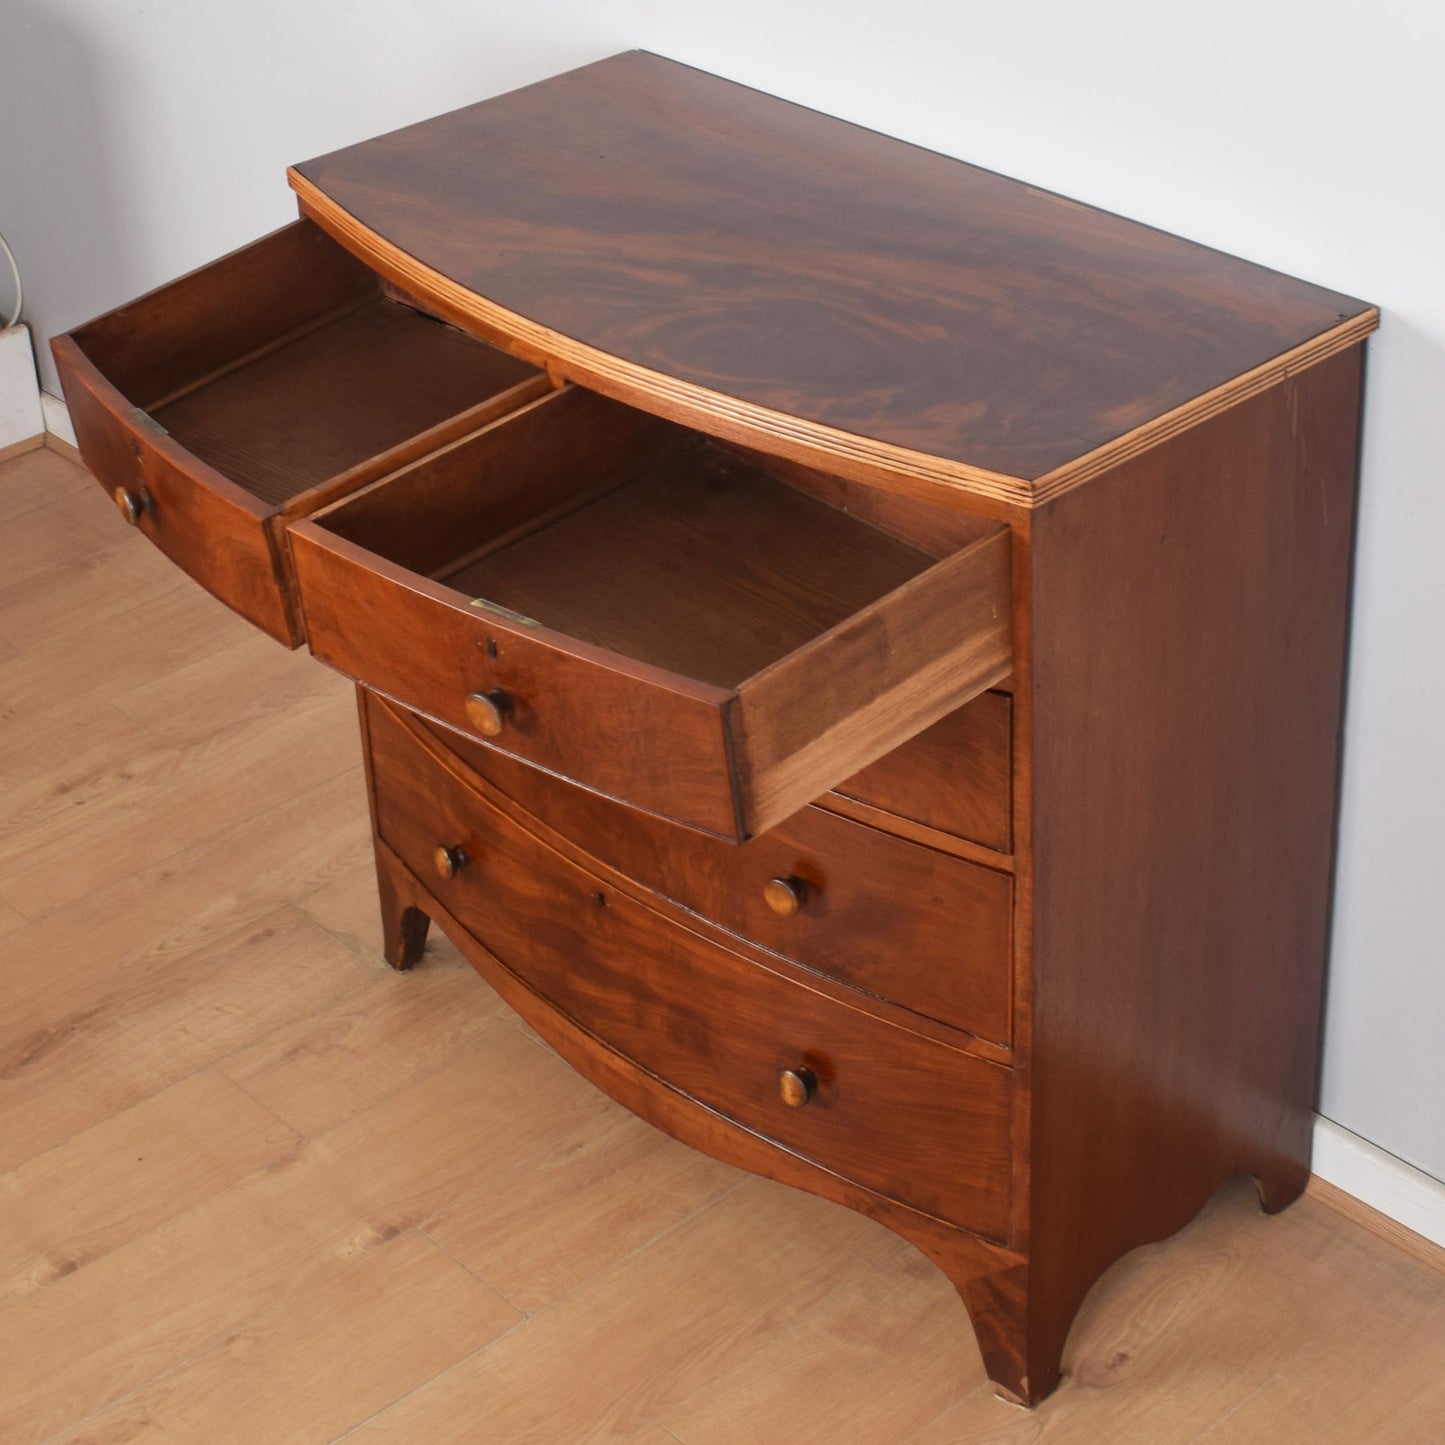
point(635, 535)
point(284, 367)
point(637, 607)
point(696, 562)
point(324, 399)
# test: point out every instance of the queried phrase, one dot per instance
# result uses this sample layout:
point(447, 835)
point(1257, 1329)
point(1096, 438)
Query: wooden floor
point(258, 1188)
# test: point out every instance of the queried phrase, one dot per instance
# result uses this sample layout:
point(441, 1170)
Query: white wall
point(144, 139)
point(20, 416)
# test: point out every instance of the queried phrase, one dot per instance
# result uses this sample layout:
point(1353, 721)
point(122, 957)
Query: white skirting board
point(57, 418)
point(20, 416)
point(1387, 1184)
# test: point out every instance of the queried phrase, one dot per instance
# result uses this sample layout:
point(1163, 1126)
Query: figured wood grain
point(776, 1316)
point(860, 459)
point(718, 1028)
point(1188, 340)
point(949, 959)
point(456, 755)
point(960, 1253)
point(642, 223)
point(1278, 369)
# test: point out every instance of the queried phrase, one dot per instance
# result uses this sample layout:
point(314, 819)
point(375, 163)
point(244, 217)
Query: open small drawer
point(259, 388)
point(631, 605)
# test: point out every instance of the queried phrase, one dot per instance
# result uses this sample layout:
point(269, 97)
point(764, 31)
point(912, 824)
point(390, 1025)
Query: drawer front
point(955, 776)
point(567, 710)
point(258, 387)
point(925, 930)
point(900, 1114)
point(205, 525)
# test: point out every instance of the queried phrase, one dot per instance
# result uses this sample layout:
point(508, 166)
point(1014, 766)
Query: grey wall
point(141, 140)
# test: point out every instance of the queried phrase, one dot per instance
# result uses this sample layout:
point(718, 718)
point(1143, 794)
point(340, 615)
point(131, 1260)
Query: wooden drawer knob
point(488, 711)
point(784, 895)
point(448, 861)
point(795, 1086)
point(131, 504)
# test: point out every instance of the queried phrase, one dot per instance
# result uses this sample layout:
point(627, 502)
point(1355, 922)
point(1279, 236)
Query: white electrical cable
point(15, 272)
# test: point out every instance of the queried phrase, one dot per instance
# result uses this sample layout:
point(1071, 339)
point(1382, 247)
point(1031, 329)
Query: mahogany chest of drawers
point(850, 646)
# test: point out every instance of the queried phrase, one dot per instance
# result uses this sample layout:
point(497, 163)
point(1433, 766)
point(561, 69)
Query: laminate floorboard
point(257, 1188)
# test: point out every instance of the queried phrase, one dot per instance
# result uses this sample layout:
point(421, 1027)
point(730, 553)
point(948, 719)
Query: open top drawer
point(627, 603)
point(260, 387)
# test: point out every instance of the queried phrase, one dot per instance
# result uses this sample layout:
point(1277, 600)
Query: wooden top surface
point(778, 263)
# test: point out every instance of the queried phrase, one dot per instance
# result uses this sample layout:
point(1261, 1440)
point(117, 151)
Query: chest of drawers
point(849, 646)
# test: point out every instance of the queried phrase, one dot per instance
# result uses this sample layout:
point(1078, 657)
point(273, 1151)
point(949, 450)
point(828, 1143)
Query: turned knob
point(784, 895)
point(795, 1086)
point(448, 861)
point(488, 711)
point(130, 504)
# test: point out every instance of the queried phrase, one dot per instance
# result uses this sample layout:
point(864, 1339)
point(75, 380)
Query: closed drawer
point(913, 925)
point(218, 407)
point(956, 776)
point(901, 1114)
point(625, 603)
